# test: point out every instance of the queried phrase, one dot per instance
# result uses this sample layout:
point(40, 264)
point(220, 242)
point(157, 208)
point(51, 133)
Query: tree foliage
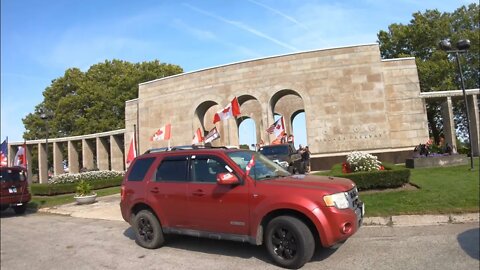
point(437, 69)
point(93, 101)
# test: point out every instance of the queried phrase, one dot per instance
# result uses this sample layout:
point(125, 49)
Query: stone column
point(268, 119)
point(87, 154)
point(116, 155)
point(57, 159)
point(474, 123)
point(448, 123)
point(28, 156)
point(73, 160)
point(42, 164)
point(102, 154)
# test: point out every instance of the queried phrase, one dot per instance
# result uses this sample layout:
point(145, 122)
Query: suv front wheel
point(289, 242)
point(148, 231)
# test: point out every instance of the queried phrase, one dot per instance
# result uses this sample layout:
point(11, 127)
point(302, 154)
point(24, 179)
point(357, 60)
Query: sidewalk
point(108, 208)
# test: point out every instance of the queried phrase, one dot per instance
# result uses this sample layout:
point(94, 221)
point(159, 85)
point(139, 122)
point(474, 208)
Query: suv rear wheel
point(148, 232)
point(289, 242)
point(20, 209)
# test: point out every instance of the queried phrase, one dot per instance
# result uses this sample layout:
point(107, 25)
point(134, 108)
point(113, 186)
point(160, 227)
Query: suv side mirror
point(227, 179)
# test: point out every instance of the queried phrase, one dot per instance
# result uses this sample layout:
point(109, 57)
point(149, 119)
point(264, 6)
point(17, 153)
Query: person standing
point(290, 139)
point(306, 159)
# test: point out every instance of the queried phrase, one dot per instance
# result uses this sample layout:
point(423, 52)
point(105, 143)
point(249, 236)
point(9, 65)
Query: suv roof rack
point(183, 147)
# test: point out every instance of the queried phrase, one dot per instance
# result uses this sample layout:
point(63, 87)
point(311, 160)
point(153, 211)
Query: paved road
point(43, 241)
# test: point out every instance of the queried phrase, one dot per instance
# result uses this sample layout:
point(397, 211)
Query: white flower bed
point(87, 176)
point(360, 161)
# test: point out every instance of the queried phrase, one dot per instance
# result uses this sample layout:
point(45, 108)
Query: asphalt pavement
point(108, 208)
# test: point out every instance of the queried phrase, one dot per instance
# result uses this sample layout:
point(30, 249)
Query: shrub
point(57, 189)
point(359, 161)
point(87, 176)
point(83, 188)
point(393, 176)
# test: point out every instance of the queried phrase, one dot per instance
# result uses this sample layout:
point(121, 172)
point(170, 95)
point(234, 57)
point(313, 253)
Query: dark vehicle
point(285, 155)
point(14, 189)
point(237, 195)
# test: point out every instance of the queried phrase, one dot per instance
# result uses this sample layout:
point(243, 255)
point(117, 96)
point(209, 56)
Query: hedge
point(57, 189)
point(392, 177)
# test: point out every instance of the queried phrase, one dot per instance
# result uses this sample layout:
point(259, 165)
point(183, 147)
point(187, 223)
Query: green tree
point(437, 70)
point(93, 101)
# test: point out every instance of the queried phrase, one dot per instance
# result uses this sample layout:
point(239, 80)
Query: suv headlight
point(339, 200)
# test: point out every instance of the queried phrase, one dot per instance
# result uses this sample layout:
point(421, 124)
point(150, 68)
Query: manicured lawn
point(442, 190)
point(49, 201)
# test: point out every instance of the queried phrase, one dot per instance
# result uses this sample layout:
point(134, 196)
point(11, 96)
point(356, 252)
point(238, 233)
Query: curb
point(421, 220)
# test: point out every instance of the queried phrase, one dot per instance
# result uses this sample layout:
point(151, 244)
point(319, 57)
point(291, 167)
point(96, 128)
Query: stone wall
point(351, 98)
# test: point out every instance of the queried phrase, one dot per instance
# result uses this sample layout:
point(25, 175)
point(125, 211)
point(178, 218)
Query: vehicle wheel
point(20, 209)
point(148, 232)
point(289, 242)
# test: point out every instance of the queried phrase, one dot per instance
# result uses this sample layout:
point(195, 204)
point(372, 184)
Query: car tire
point(20, 209)
point(289, 242)
point(148, 231)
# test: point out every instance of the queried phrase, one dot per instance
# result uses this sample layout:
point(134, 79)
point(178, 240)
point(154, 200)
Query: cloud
point(242, 26)
point(290, 18)
point(206, 35)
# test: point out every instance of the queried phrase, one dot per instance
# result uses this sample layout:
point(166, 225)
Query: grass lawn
point(49, 201)
point(442, 190)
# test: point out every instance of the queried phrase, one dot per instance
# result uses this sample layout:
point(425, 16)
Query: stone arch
point(250, 108)
point(300, 135)
point(203, 116)
point(288, 103)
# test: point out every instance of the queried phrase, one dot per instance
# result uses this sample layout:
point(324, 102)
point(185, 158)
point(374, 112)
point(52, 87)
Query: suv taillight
point(122, 193)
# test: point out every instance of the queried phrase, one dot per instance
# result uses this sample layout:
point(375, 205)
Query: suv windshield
point(11, 175)
point(263, 168)
point(274, 150)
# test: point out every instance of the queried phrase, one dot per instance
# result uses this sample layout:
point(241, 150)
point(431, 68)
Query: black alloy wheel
point(148, 231)
point(289, 242)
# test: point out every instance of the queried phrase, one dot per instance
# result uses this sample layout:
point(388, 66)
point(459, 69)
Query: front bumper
point(337, 225)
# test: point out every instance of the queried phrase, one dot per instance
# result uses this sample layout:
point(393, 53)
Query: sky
point(41, 39)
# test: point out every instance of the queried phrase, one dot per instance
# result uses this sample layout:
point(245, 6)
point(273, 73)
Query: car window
point(140, 169)
point(9, 175)
point(172, 169)
point(276, 150)
point(206, 168)
point(263, 168)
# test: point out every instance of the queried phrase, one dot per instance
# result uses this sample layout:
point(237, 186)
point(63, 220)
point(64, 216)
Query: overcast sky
point(41, 39)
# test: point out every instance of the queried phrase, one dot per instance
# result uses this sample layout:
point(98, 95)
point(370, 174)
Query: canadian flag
point(20, 159)
point(250, 165)
point(132, 151)
point(162, 133)
point(233, 109)
point(197, 138)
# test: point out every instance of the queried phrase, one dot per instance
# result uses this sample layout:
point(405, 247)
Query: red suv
point(14, 189)
point(237, 195)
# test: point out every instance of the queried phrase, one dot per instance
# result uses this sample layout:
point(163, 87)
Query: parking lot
point(45, 241)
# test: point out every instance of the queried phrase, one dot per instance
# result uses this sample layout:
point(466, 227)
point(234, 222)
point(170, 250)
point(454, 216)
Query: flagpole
point(135, 138)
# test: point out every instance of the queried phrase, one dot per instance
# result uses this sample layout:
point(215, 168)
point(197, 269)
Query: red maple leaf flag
point(232, 109)
point(162, 134)
point(250, 165)
point(20, 158)
point(132, 152)
point(197, 138)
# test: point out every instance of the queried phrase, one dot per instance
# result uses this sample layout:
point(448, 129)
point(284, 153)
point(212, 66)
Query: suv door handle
point(154, 190)
point(199, 193)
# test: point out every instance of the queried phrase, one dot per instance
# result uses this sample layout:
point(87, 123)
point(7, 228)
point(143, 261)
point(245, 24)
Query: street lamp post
point(462, 47)
point(45, 118)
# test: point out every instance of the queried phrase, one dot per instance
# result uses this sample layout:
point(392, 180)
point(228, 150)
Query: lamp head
point(445, 45)
point(463, 44)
